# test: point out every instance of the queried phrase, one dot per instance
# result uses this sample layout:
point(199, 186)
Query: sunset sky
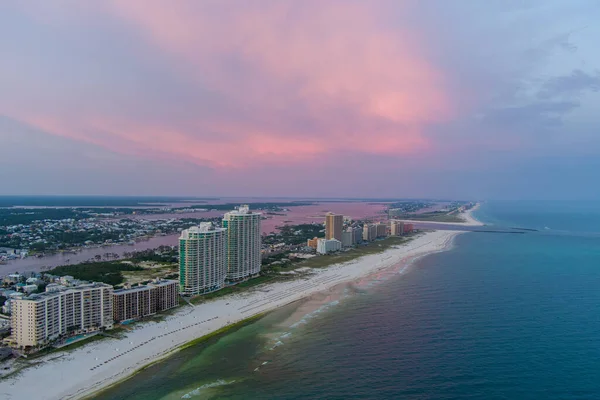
point(462, 99)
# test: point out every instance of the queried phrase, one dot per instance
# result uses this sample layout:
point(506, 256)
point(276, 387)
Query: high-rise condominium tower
point(334, 225)
point(243, 243)
point(202, 259)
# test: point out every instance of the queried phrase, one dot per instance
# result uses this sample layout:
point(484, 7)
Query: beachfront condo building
point(142, 301)
point(381, 229)
point(42, 318)
point(325, 246)
point(243, 243)
point(357, 234)
point(202, 259)
point(397, 228)
point(334, 224)
point(347, 238)
point(369, 232)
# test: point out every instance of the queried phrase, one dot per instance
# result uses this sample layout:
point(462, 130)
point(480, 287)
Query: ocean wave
point(312, 314)
point(197, 391)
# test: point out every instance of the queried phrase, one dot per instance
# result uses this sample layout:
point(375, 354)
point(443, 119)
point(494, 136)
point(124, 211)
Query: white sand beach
point(75, 374)
point(467, 216)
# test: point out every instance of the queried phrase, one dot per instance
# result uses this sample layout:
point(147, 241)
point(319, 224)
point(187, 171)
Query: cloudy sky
point(428, 98)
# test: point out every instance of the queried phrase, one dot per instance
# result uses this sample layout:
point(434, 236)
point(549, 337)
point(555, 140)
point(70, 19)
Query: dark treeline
point(253, 206)
point(92, 201)
point(106, 271)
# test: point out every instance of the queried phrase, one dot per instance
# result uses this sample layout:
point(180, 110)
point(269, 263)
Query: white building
point(347, 238)
point(66, 280)
point(33, 281)
point(202, 259)
point(29, 288)
point(12, 278)
point(369, 232)
point(54, 287)
point(41, 318)
point(243, 243)
point(357, 234)
point(325, 246)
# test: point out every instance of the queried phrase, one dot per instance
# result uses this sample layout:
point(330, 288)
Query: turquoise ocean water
point(499, 316)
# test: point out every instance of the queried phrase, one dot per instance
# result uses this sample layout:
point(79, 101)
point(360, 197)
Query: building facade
point(243, 244)
point(357, 235)
point(334, 224)
point(348, 238)
point(381, 229)
point(325, 246)
point(312, 242)
point(202, 259)
point(369, 232)
point(397, 228)
point(41, 318)
point(142, 301)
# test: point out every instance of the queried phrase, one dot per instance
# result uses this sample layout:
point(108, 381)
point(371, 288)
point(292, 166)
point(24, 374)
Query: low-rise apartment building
point(312, 242)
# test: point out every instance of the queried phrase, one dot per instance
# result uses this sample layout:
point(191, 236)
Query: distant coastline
point(191, 324)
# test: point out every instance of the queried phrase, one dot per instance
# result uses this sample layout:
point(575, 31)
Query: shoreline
point(98, 366)
point(222, 331)
point(467, 216)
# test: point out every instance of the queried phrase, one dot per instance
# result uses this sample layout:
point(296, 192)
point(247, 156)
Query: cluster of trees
point(275, 206)
point(26, 216)
point(13, 242)
point(106, 271)
point(111, 271)
point(295, 234)
point(162, 254)
point(403, 207)
point(90, 201)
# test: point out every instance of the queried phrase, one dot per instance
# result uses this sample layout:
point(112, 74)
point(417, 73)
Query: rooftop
point(204, 227)
point(244, 209)
point(155, 283)
point(45, 295)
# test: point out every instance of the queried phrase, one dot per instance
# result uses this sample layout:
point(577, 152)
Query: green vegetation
point(162, 254)
point(435, 216)
point(281, 259)
point(295, 234)
point(108, 272)
point(409, 206)
point(92, 201)
point(275, 206)
point(16, 216)
point(137, 266)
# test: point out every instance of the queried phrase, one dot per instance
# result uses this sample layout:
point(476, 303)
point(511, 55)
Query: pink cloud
point(324, 60)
